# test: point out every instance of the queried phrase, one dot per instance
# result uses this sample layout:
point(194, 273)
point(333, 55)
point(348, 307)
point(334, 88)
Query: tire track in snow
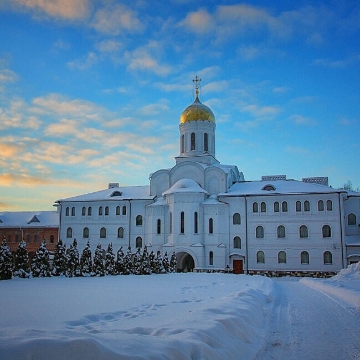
point(306, 324)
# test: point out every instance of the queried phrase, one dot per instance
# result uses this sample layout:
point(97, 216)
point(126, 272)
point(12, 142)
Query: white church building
point(214, 220)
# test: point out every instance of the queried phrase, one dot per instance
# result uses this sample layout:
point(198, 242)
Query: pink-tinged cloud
point(65, 9)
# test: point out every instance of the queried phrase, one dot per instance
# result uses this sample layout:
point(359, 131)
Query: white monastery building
point(214, 220)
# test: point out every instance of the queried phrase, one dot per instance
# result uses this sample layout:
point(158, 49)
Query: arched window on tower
point(182, 144)
point(195, 222)
point(211, 226)
point(182, 223)
point(192, 141)
point(206, 142)
point(158, 227)
point(211, 258)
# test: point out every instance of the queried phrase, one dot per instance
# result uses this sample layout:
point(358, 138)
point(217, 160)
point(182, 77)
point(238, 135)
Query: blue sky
point(91, 91)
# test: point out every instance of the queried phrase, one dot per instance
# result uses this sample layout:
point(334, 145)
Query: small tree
point(159, 267)
point(110, 267)
point(137, 262)
point(128, 264)
point(22, 265)
point(6, 262)
point(98, 267)
point(73, 267)
point(86, 265)
point(145, 263)
point(60, 260)
point(173, 262)
point(120, 262)
point(165, 262)
point(152, 262)
point(40, 263)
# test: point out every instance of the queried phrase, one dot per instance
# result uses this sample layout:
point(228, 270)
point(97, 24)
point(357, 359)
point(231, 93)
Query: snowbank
point(345, 286)
point(173, 316)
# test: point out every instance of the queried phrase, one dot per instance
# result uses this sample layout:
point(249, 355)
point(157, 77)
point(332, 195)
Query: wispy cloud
point(65, 9)
point(302, 120)
point(352, 60)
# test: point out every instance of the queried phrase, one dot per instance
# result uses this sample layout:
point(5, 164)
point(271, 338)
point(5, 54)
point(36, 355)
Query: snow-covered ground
point(181, 316)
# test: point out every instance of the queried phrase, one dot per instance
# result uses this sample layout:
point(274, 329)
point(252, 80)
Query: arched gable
point(187, 170)
point(215, 180)
point(159, 182)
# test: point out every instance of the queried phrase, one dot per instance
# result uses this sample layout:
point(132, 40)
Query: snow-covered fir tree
point(137, 262)
point(40, 265)
point(120, 262)
point(98, 264)
point(73, 267)
point(6, 262)
point(60, 260)
point(173, 263)
point(22, 263)
point(128, 263)
point(166, 263)
point(110, 267)
point(159, 267)
point(152, 262)
point(86, 265)
point(145, 263)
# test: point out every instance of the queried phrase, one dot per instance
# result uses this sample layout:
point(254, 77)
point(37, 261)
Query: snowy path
point(308, 324)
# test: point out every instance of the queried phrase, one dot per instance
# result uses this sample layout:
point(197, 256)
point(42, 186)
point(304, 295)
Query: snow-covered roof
point(28, 219)
point(352, 240)
point(285, 187)
point(185, 186)
point(116, 193)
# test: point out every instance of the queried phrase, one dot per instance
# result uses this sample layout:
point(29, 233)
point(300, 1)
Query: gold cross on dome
point(196, 81)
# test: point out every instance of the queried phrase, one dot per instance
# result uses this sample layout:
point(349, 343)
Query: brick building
point(32, 226)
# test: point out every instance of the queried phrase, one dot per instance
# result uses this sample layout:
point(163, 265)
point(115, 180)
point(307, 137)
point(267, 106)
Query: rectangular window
point(182, 223)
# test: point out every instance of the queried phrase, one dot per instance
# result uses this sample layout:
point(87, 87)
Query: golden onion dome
point(197, 111)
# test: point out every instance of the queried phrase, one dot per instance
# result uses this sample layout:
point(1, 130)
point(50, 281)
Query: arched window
point(329, 205)
point(139, 220)
point(304, 231)
point(124, 210)
point(51, 239)
point(83, 211)
point(118, 210)
point(196, 222)
point(255, 207)
point(304, 257)
point(298, 206)
point(206, 142)
point(284, 206)
point(276, 206)
point(120, 233)
point(102, 233)
point(138, 243)
point(158, 226)
point(69, 232)
point(67, 211)
point(307, 205)
point(259, 232)
point(327, 258)
point(326, 231)
point(182, 143)
point(351, 219)
point(28, 238)
point(211, 226)
point(106, 210)
point(211, 258)
point(320, 205)
point(263, 207)
point(73, 211)
point(89, 211)
point(281, 231)
point(192, 141)
point(170, 223)
point(85, 232)
point(236, 219)
point(182, 223)
point(237, 242)
point(260, 257)
point(100, 210)
point(282, 257)
point(35, 238)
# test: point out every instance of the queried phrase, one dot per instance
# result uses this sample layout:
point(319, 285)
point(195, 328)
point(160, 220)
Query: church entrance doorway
point(185, 262)
point(238, 267)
